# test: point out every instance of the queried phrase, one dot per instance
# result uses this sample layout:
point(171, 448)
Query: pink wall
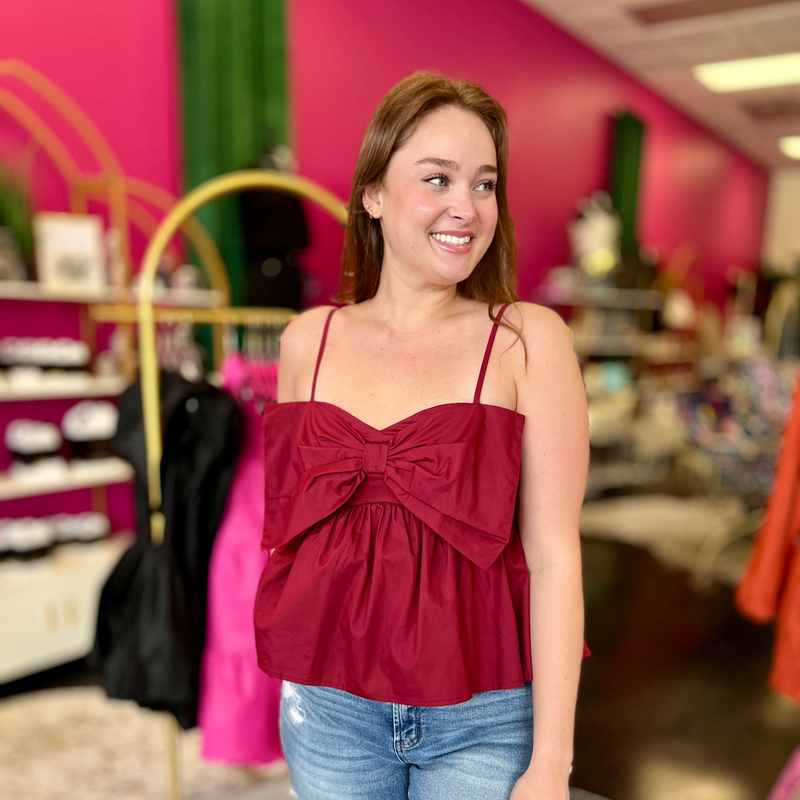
point(118, 61)
point(345, 54)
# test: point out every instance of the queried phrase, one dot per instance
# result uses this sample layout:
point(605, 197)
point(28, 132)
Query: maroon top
point(398, 574)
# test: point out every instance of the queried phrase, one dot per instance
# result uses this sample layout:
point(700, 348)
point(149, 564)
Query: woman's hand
point(541, 782)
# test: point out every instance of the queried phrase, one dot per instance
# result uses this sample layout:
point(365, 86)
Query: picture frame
point(69, 250)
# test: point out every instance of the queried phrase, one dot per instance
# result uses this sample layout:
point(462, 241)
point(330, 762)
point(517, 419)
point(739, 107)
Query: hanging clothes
point(239, 704)
point(152, 615)
point(770, 588)
point(275, 232)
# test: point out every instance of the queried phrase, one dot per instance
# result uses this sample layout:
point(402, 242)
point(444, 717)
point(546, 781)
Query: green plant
point(15, 211)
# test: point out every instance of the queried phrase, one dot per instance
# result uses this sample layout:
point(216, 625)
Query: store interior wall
point(118, 61)
point(344, 55)
point(782, 235)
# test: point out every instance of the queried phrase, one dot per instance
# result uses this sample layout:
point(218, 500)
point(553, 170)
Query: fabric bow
point(441, 472)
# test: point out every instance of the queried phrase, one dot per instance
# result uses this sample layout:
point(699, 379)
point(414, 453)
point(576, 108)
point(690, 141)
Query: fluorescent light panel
point(790, 146)
point(750, 73)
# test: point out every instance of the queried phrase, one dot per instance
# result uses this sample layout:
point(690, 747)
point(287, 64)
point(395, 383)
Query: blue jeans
point(342, 747)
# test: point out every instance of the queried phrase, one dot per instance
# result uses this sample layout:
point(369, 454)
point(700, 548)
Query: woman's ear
point(371, 199)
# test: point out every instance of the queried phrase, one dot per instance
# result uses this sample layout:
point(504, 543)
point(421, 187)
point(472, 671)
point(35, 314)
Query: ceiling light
point(749, 73)
point(790, 146)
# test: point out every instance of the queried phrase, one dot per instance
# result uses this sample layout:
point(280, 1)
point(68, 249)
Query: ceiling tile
point(706, 51)
point(784, 11)
point(686, 26)
point(610, 33)
point(661, 57)
point(645, 56)
point(774, 36)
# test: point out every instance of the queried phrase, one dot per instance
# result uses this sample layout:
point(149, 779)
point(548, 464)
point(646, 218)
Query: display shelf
point(610, 346)
point(656, 352)
point(48, 606)
point(62, 386)
point(34, 291)
point(701, 535)
point(602, 297)
point(623, 474)
point(77, 475)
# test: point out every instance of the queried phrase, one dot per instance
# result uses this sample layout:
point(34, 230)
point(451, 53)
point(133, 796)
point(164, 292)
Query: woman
point(423, 602)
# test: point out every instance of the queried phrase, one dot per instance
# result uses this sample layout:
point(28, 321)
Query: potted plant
point(16, 230)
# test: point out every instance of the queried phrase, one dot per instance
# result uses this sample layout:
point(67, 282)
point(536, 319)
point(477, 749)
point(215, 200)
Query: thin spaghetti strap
point(321, 349)
point(486, 355)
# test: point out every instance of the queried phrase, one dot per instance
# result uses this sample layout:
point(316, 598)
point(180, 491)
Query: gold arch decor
point(210, 190)
point(84, 127)
point(110, 186)
point(148, 362)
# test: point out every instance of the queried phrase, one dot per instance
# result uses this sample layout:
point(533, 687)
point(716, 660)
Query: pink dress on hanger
point(239, 704)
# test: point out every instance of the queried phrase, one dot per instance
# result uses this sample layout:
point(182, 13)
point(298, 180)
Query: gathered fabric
point(239, 705)
point(397, 572)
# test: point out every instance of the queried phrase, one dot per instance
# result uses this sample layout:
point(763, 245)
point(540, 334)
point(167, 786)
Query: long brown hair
point(494, 278)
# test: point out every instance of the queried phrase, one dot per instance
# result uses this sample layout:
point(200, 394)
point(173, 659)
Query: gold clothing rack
point(147, 314)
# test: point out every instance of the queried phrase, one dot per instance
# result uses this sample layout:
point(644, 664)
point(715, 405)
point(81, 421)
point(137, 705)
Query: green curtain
point(233, 78)
point(626, 160)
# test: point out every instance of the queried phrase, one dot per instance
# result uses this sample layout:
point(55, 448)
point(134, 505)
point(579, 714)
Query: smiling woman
point(424, 478)
point(427, 217)
point(405, 108)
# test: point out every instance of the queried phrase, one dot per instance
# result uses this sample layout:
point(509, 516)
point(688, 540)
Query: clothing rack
point(147, 315)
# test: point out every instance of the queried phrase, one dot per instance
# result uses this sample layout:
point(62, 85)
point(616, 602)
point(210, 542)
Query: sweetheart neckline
point(400, 421)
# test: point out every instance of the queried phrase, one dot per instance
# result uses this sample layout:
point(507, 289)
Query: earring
point(366, 208)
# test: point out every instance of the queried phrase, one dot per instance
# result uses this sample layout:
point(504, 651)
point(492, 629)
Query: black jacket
point(152, 616)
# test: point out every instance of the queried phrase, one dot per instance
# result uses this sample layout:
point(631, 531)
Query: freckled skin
point(418, 199)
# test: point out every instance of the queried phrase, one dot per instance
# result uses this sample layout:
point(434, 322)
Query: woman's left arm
point(555, 459)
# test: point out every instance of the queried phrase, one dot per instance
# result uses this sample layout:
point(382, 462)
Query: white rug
point(61, 744)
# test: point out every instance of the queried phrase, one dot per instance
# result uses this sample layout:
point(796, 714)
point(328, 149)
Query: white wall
point(782, 233)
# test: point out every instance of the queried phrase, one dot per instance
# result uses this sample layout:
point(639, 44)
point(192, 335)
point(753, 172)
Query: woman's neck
point(402, 308)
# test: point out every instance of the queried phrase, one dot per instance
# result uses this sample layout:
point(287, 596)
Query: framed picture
point(69, 249)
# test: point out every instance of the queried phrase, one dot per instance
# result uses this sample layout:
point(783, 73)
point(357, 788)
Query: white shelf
point(622, 474)
point(702, 535)
point(656, 352)
point(613, 346)
point(78, 475)
point(603, 296)
point(34, 291)
point(62, 386)
point(48, 606)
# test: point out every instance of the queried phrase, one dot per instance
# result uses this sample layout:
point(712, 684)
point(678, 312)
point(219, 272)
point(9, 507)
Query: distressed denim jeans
point(342, 747)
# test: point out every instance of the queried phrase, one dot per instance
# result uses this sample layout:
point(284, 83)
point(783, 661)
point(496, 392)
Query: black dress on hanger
point(152, 615)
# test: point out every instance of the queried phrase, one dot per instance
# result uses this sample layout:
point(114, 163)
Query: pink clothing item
point(239, 704)
point(787, 787)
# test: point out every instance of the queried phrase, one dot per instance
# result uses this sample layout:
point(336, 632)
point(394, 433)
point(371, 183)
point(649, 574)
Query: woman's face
point(437, 204)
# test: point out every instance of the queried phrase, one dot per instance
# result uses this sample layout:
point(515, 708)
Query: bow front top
point(398, 574)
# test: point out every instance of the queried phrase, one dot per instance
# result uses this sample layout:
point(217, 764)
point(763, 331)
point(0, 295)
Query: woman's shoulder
point(305, 330)
point(300, 342)
point(551, 360)
point(536, 317)
point(542, 330)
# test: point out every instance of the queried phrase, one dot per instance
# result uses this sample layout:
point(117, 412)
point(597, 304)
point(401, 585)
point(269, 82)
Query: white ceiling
point(662, 55)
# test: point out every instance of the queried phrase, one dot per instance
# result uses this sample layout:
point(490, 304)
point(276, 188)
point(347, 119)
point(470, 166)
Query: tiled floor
point(673, 702)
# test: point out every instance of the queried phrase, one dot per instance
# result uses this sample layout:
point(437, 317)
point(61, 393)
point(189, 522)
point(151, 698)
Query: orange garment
point(771, 585)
